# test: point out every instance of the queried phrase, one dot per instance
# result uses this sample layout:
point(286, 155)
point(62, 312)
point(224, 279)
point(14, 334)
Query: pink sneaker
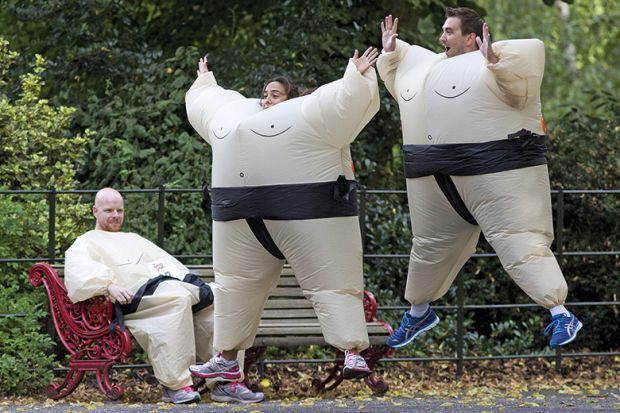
point(355, 366)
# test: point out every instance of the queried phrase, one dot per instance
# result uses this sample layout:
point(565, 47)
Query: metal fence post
point(460, 323)
point(51, 232)
point(160, 216)
point(559, 240)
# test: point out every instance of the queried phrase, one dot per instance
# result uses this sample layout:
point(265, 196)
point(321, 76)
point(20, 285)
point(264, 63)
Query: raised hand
point(364, 62)
point(202, 65)
point(485, 45)
point(389, 33)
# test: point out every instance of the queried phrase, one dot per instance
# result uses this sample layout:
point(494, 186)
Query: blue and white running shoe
point(565, 327)
point(411, 327)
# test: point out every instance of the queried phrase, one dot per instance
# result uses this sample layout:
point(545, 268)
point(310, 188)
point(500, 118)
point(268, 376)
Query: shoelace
point(558, 322)
point(551, 326)
point(234, 384)
point(216, 361)
point(403, 329)
point(355, 360)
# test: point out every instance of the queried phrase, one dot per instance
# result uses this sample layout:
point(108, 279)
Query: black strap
point(148, 288)
point(522, 149)
point(263, 236)
point(286, 202)
point(206, 199)
point(118, 318)
point(449, 190)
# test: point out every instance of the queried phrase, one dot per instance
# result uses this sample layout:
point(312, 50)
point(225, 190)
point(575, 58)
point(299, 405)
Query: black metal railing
point(459, 358)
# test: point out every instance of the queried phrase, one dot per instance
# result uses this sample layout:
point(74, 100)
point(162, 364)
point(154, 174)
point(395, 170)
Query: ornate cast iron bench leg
point(334, 378)
point(56, 390)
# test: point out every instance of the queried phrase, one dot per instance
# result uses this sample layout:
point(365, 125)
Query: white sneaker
point(235, 392)
point(181, 396)
point(217, 368)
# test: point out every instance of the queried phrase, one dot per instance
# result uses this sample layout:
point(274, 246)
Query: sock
point(223, 360)
point(419, 310)
point(558, 309)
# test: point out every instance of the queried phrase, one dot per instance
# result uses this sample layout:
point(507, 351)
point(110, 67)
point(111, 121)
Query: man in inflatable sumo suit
point(167, 309)
point(474, 148)
point(283, 189)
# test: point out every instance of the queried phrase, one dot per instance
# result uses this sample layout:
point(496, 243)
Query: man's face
point(110, 213)
point(454, 41)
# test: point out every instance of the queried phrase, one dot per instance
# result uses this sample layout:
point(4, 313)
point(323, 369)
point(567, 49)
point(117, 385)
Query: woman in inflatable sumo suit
point(283, 189)
point(475, 160)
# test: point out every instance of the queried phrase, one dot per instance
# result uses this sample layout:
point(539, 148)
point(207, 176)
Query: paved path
point(604, 401)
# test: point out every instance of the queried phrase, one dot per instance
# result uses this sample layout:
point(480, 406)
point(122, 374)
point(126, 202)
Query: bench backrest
point(289, 318)
point(286, 301)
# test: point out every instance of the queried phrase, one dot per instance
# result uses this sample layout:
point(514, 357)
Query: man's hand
point(202, 65)
point(121, 295)
point(485, 45)
point(389, 33)
point(364, 62)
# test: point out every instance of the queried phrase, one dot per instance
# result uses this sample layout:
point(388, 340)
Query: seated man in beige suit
point(168, 310)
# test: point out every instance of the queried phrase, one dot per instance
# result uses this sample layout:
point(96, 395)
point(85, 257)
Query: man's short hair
point(471, 22)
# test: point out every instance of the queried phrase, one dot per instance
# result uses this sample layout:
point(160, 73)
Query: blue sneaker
point(565, 327)
point(411, 327)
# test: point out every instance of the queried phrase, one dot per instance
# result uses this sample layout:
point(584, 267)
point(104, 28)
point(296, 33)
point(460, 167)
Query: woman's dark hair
point(308, 90)
point(289, 86)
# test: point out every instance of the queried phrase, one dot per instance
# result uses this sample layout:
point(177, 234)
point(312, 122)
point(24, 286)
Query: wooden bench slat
point(304, 329)
point(288, 341)
point(288, 303)
point(275, 313)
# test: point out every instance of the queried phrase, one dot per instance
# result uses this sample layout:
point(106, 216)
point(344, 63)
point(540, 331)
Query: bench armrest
point(83, 327)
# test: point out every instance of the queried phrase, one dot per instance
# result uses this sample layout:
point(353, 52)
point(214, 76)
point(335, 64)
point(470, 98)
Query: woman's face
point(273, 94)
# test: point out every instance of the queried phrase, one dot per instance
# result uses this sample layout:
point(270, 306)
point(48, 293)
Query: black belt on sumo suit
point(283, 203)
point(521, 150)
point(205, 296)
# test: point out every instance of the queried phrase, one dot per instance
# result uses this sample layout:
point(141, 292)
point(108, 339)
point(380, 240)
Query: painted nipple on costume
point(408, 94)
point(271, 130)
point(452, 93)
point(220, 131)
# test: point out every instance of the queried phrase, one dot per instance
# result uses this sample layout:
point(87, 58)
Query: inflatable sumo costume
point(171, 315)
point(475, 159)
point(283, 189)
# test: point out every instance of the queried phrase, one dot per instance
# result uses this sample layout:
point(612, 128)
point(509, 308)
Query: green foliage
point(581, 43)
point(88, 43)
point(143, 140)
point(583, 154)
point(38, 152)
point(25, 354)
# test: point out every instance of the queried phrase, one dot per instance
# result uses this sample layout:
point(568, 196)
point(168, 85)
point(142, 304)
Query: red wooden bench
point(288, 320)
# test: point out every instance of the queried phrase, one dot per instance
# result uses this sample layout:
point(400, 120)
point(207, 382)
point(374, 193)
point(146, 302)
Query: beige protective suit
point(163, 325)
point(455, 106)
point(297, 144)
